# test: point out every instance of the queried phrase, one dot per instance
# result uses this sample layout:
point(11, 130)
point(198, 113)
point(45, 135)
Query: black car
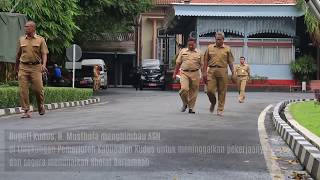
point(152, 74)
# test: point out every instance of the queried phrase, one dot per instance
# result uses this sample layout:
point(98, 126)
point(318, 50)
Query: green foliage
point(13, 83)
point(303, 68)
point(59, 20)
point(9, 95)
point(111, 16)
point(55, 20)
point(5, 4)
point(64, 94)
point(310, 20)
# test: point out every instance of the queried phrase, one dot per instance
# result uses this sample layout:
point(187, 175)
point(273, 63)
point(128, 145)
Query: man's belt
point(215, 66)
point(190, 70)
point(30, 63)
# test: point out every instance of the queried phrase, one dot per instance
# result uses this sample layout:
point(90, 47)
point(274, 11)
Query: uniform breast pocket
point(23, 47)
point(224, 55)
point(212, 55)
point(184, 57)
point(36, 47)
point(198, 58)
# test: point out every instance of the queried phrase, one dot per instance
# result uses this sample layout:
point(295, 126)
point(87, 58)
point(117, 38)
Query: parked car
point(152, 74)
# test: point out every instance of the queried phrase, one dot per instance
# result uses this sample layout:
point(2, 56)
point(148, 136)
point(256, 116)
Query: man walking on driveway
point(243, 75)
point(215, 73)
point(190, 61)
point(31, 61)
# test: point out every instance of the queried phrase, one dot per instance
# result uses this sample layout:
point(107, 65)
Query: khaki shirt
point(96, 71)
point(32, 48)
point(218, 56)
point(189, 60)
point(243, 70)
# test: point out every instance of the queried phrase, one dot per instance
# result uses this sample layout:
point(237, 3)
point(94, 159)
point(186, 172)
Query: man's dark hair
point(243, 57)
point(192, 39)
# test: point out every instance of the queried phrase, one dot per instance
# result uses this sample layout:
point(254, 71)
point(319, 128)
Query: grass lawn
point(308, 115)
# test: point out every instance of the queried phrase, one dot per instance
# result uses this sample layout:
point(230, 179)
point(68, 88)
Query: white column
point(154, 40)
point(245, 46)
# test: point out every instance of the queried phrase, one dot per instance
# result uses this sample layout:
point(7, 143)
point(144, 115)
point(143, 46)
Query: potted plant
point(303, 68)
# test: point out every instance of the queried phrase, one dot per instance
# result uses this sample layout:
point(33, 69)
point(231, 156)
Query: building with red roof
point(263, 31)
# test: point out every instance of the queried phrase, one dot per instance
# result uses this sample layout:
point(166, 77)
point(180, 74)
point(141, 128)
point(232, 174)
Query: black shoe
point(42, 110)
point(183, 108)
point(191, 111)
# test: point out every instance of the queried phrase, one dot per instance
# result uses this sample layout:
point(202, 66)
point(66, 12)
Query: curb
point(272, 165)
point(309, 136)
point(307, 153)
point(52, 106)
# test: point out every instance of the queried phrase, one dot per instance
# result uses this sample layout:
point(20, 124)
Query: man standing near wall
point(31, 61)
point(215, 73)
point(189, 59)
point(243, 74)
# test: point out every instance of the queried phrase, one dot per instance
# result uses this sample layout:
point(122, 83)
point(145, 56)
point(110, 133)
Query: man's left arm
point(249, 73)
point(44, 55)
point(18, 55)
point(201, 61)
point(230, 62)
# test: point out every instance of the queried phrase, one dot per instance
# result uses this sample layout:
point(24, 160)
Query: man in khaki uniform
point(190, 62)
point(96, 77)
point(243, 74)
point(31, 61)
point(215, 73)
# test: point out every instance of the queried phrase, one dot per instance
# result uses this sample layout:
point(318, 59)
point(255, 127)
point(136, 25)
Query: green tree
point(111, 16)
point(313, 25)
point(59, 20)
point(55, 19)
point(5, 4)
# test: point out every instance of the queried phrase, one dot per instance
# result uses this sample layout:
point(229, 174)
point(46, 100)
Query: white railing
point(211, 39)
point(118, 37)
point(165, 2)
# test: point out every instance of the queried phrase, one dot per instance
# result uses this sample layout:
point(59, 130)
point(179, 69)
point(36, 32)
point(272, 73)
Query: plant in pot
point(303, 68)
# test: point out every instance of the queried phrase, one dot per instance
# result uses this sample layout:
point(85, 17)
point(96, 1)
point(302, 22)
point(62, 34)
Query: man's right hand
point(174, 76)
point(16, 72)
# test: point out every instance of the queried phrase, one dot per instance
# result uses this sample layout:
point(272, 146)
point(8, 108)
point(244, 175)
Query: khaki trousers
point(241, 82)
point(217, 81)
point(189, 88)
point(30, 74)
point(96, 83)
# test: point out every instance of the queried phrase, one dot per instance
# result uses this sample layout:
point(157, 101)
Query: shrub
point(9, 96)
point(13, 83)
point(303, 68)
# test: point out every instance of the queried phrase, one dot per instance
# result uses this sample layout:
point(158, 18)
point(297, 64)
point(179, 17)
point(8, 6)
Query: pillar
point(154, 39)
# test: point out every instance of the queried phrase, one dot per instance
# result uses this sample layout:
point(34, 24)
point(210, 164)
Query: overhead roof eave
point(227, 10)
